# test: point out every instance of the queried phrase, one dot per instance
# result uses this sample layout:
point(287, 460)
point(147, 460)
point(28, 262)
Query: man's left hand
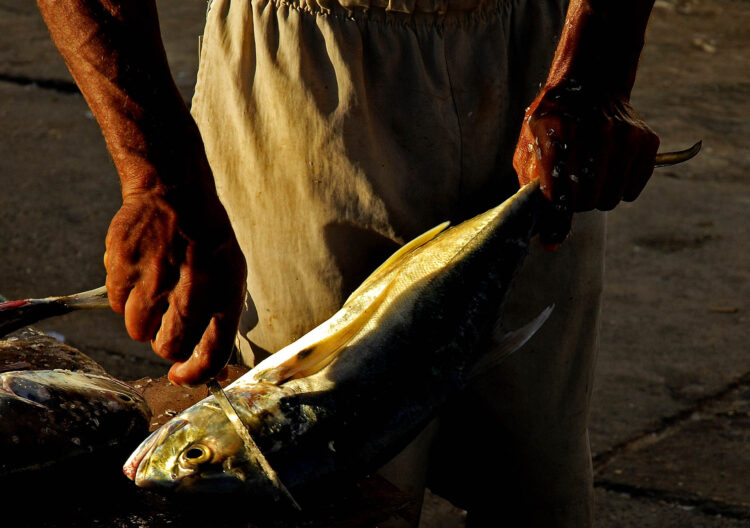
point(588, 151)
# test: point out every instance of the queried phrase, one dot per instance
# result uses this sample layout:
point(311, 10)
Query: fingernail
point(176, 383)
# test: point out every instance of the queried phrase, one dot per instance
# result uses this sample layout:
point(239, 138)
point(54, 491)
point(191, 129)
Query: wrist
point(157, 151)
point(197, 212)
point(171, 166)
point(600, 47)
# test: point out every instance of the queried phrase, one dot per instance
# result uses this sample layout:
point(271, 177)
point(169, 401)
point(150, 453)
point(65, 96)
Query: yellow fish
point(351, 393)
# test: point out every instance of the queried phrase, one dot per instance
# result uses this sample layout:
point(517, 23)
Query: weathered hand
point(174, 266)
point(588, 151)
point(179, 277)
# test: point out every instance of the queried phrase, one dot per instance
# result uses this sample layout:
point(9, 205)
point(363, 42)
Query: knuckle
point(170, 348)
point(545, 125)
point(537, 119)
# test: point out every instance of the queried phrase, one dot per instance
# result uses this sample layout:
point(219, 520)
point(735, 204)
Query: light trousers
point(337, 131)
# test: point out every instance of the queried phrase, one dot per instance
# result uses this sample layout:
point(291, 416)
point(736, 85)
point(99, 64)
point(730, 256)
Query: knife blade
point(244, 433)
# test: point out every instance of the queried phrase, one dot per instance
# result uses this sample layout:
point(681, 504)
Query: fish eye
point(196, 454)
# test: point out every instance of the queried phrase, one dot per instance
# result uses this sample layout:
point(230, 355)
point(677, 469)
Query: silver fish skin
point(48, 416)
point(347, 396)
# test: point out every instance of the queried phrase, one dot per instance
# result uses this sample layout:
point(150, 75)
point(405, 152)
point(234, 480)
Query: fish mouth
point(132, 467)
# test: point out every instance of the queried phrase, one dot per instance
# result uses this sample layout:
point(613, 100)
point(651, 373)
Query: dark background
point(671, 410)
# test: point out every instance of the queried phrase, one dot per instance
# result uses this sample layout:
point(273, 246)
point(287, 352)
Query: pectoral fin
point(507, 343)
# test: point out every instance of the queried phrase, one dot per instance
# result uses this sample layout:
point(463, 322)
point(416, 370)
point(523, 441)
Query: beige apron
point(339, 130)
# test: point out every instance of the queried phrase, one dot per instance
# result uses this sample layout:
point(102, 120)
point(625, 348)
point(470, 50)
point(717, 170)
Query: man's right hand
point(173, 263)
point(180, 283)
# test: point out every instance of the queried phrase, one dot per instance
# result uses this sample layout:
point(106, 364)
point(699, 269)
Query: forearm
point(114, 51)
point(174, 268)
point(600, 45)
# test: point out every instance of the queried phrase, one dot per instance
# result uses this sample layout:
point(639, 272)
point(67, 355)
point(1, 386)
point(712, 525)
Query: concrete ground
point(670, 425)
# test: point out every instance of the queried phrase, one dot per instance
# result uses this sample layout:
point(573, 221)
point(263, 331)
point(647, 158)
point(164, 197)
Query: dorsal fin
point(394, 259)
point(318, 347)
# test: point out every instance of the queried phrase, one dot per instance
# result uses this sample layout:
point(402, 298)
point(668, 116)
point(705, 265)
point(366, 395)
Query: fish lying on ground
point(347, 396)
point(57, 404)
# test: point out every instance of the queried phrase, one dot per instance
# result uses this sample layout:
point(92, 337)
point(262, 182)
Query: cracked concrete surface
point(669, 416)
point(671, 410)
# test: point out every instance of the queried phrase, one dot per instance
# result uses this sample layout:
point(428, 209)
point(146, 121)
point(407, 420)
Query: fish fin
point(317, 348)
point(17, 314)
point(91, 299)
point(394, 259)
point(31, 402)
point(317, 367)
point(508, 342)
point(6, 387)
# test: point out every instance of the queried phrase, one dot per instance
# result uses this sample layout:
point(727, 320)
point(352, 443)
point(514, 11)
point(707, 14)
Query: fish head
point(196, 451)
